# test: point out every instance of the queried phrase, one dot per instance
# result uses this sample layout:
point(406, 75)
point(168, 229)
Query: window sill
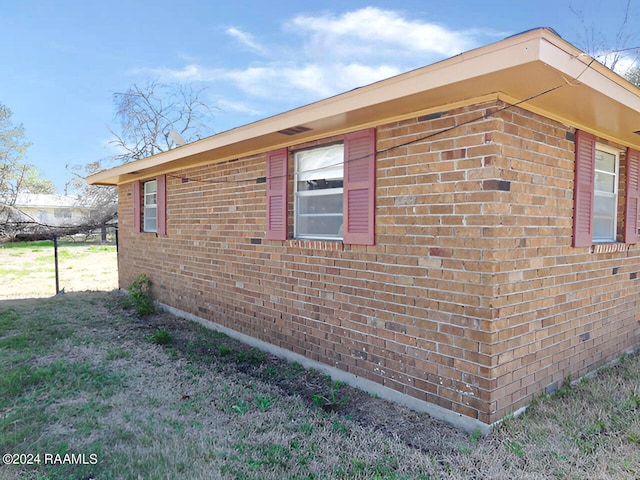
point(155, 234)
point(610, 247)
point(325, 245)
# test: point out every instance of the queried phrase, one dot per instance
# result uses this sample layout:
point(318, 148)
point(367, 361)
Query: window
point(318, 192)
point(598, 212)
point(605, 200)
point(61, 213)
point(334, 191)
point(150, 205)
point(150, 211)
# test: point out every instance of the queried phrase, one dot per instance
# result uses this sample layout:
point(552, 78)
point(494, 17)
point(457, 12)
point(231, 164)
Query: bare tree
point(610, 49)
point(633, 75)
point(100, 201)
point(147, 114)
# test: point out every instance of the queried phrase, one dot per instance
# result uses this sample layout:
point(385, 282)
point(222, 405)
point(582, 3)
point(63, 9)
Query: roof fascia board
point(168, 168)
point(577, 66)
point(572, 66)
point(504, 54)
point(565, 121)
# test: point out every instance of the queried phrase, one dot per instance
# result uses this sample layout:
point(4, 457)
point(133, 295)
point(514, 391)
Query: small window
point(61, 213)
point(318, 193)
point(605, 206)
point(150, 212)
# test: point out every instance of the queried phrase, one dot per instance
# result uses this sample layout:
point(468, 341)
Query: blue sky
point(63, 60)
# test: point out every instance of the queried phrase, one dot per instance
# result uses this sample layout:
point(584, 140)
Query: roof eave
point(542, 57)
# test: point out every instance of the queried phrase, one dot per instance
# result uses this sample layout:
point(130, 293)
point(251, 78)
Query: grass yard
point(27, 270)
point(93, 392)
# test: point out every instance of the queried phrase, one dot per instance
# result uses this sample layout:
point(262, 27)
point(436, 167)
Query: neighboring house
point(50, 209)
point(459, 238)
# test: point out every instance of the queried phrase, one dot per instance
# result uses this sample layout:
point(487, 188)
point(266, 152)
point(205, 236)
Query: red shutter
point(633, 196)
point(277, 169)
point(585, 151)
point(137, 198)
point(161, 199)
point(359, 202)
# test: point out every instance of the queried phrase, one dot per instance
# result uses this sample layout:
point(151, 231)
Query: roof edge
point(349, 111)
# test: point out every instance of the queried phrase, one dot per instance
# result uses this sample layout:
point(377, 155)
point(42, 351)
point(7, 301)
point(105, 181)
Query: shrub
point(161, 337)
point(140, 295)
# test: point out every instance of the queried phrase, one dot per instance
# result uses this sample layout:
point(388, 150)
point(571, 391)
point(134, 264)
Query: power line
point(484, 116)
point(488, 114)
point(468, 122)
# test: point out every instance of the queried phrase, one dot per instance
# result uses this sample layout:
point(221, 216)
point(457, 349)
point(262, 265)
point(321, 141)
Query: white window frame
point(316, 173)
point(150, 206)
point(611, 235)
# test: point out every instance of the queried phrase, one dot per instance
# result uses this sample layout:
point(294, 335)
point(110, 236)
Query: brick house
point(50, 209)
point(458, 238)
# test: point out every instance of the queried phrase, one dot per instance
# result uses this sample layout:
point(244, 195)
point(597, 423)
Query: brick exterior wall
point(472, 298)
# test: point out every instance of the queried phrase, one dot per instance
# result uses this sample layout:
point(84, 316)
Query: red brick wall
point(560, 311)
point(472, 298)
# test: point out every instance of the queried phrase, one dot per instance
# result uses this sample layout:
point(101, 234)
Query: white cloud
point(278, 81)
point(245, 39)
point(330, 54)
point(237, 107)
point(368, 29)
point(188, 73)
point(326, 80)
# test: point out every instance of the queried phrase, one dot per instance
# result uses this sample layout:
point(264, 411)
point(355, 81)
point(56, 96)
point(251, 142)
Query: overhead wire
point(423, 138)
point(488, 114)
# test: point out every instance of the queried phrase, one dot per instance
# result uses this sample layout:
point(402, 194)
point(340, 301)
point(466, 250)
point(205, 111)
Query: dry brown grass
point(151, 411)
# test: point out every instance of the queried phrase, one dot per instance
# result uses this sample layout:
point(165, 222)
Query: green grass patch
point(117, 354)
point(224, 350)
point(14, 272)
point(58, 379)
point(160, 337)
point(40, 245)
point(37, 244)
point(332, 397)
point(63, 254)
point(8, 318)
point(102, 248)
point(263, 402)
point(16, 342)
